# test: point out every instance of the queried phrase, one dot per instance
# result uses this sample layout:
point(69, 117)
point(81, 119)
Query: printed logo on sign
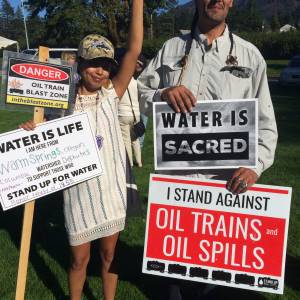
point(40, 72)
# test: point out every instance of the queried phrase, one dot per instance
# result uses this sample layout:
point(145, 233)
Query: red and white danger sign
point(38, 84)
point(40, 72)
point(197, 230)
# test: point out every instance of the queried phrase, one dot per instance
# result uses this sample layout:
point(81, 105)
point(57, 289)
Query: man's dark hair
point(195, 20)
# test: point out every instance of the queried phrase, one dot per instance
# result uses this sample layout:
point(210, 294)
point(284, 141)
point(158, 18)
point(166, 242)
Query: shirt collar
point(202, 39)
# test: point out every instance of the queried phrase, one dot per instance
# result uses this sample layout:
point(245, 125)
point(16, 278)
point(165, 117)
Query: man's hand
point(180, 98)
point(241, 180)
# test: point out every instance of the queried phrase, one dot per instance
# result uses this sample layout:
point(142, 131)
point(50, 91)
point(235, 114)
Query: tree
point(183, 17)
point(164, 25)
point(111, 13)
point(245, 18)
point(254, 17)
point(37, 31)
point(7, 16)
point(152, 8)
point(66, 21)
point(18, 27)
point(275, 23)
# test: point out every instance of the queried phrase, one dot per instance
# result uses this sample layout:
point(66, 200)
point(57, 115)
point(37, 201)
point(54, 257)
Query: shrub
point(275, 45)
point(272, 45)
point(151, 47)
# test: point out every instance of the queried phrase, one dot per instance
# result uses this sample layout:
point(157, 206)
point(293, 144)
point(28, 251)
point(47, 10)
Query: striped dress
point(97, 207)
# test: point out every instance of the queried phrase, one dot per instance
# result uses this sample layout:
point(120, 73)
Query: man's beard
point(214, 18)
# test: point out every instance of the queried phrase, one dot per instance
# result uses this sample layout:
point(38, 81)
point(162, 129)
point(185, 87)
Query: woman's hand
point(134, 48)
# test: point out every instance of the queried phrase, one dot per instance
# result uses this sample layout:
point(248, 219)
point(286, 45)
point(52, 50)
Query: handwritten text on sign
point(198, 227)
point(216, 134)
point(55, 155)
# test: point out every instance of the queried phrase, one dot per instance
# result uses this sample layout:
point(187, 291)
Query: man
point(210, 64)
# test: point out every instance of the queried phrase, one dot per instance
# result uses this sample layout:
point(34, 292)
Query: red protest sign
point(216, 239)
point(197, 230)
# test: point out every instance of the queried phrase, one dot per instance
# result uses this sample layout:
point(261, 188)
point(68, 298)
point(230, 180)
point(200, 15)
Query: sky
point(15, 3)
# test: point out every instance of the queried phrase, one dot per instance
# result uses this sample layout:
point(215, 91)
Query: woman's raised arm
point(134, 48)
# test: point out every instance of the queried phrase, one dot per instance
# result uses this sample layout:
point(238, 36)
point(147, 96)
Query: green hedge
point(151, 47)
point(273, 45)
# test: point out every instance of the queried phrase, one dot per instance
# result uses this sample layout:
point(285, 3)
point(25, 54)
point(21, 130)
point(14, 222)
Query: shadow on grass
point(292, 271)
point(277, 67)
point(158, 288)
point(49, 244)
point(287, 110)
point(47, 236)
point(48, 239)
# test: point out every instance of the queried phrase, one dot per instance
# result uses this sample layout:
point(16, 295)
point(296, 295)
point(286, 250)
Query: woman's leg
point(109, 266)
point(80, 256)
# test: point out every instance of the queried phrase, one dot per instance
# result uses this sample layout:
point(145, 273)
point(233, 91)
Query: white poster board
point(216, 134)
point(197, 230)
point(56, 155)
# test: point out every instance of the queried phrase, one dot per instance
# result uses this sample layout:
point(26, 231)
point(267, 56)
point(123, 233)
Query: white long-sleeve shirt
point(124, 106)
point(204, 77)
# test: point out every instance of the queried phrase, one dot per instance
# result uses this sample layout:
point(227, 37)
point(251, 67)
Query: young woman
point(96, 209)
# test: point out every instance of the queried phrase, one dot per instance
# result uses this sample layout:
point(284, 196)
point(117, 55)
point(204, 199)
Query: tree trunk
point(151, 26)
point(113, 29)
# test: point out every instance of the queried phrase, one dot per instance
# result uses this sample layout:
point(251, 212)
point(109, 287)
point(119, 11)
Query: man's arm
point(153, 86)
point(267, 134)
point(150, 84)
point(267, 129)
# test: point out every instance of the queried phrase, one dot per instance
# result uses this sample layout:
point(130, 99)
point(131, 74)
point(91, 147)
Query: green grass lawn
point(47, 277)
point(275, 67)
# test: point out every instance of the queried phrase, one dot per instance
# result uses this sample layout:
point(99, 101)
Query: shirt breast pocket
point(236, 87)
point(172, 70)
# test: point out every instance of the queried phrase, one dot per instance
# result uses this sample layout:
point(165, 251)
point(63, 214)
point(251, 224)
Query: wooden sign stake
point(38, 117)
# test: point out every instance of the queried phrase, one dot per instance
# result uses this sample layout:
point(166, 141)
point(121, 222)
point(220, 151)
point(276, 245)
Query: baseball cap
point(96, 46)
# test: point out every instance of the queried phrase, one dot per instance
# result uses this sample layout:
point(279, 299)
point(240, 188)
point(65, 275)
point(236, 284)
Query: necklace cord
point(96, 113)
